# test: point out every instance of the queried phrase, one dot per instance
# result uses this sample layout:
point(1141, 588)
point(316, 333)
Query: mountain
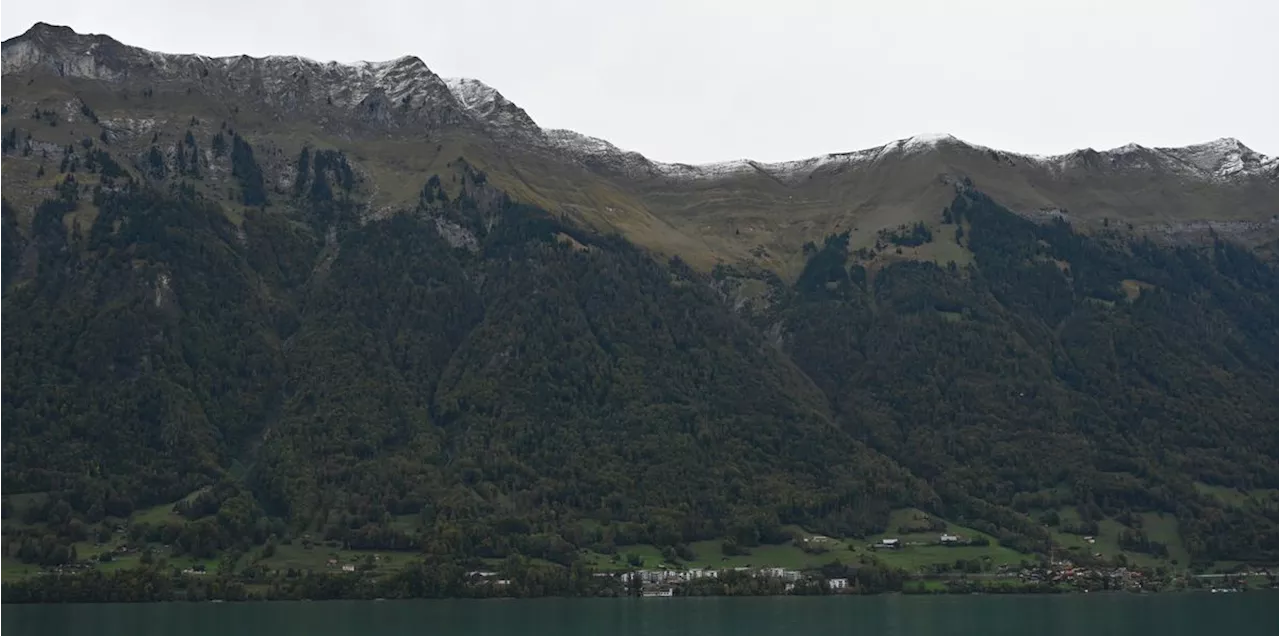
point(257, 301)
point(727, 212)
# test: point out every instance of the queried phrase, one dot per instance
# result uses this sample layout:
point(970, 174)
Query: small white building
point(348, 568)
point(949, 538)
point(891, 544)
point(837, 584)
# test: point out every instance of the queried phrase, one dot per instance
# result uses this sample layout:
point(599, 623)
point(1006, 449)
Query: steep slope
point(397, 92)
point(1055, 360)
point(507, 368)
point(402, 119)
point(364, 303)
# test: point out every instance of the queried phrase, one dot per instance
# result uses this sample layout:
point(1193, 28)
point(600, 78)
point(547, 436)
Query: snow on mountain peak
point(929, 140)
point(404, 91)
point(488, 105)
point(1223, 157)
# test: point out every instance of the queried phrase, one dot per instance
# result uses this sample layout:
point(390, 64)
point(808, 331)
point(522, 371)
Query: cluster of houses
point(660, 583)
point(943, 539)
point(485, 577)
point(1115, 578)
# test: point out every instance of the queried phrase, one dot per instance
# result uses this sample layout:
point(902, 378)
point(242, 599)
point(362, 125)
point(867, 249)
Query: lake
point(890, 615)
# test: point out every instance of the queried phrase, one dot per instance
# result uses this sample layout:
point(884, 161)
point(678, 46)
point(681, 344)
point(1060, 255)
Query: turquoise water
point(891, 615)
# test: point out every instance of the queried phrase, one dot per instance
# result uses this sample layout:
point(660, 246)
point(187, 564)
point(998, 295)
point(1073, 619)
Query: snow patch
point(488, 105)
point(404, 90)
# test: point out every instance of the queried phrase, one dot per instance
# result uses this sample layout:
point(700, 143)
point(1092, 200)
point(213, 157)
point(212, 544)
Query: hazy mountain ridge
point(726, 212)
point(407, 83)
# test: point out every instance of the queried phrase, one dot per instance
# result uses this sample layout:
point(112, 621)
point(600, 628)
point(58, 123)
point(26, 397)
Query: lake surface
point(892, 615)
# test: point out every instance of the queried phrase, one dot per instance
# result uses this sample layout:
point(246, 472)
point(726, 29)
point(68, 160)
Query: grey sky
point(696, 80)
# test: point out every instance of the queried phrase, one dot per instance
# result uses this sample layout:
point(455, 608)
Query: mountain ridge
point(407, 79)
point(271, 303)
point(401, 119)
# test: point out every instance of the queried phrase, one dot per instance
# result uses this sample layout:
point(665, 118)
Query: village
point(1044, 576)
point(1054, 577)
point(877, 567)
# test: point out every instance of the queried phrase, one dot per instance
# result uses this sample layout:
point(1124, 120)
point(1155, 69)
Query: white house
point(348, 568)
point(888, 543)
point(949, 538)
point(837, 584)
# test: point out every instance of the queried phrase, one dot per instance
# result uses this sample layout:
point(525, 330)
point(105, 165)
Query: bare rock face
point(731, 211)
point(392, 94)
point(490, 107)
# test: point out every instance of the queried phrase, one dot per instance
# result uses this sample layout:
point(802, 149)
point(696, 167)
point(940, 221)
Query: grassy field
point(11, 568)
point(1265, 498)
point(156, 515)
point(651, 558)
point(708, 554)
point(1164, 528)
point(162, 513)
point(788, 555)
point(1229, 496)
point(1159, 527)
point(913, 558)
point(317, 558)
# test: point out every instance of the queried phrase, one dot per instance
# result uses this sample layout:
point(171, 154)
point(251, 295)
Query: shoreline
point(149, 586)
point(507, 599)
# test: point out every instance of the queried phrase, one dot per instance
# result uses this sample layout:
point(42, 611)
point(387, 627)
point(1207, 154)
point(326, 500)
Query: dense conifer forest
point(481, 379)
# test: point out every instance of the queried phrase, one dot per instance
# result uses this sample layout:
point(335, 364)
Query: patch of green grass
point(1164, 528)
point(162, 513)
point(1221, 567)
point(405, 523)
point(24, 500)
point(90, 550)
point(317, 558)
point(1159, 527)
point(934, 585)
point(908, 517)
point(123, 562)
point(12, 569)
point(651, 556)
point(156, 515)
point(1229, 496)
point(1271, 495)
point(708, 554)
point(19, 503)
point(604, 562)
point(912, 558)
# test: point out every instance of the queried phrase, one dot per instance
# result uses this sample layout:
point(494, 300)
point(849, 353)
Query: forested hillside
point(478, 378)
point(1056, 370)
point(504, 392)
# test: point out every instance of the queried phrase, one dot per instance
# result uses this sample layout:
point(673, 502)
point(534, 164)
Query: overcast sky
point(702, 80)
